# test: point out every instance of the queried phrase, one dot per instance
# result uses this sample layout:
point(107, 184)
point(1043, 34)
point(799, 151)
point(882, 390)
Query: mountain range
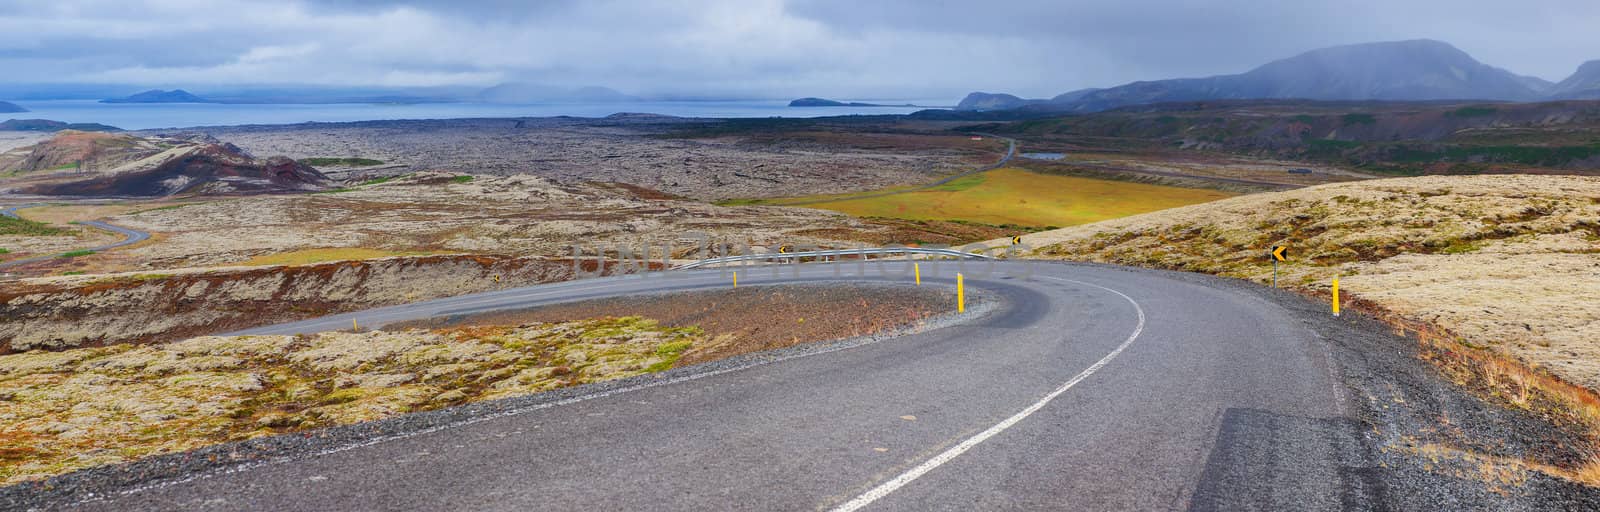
point(1416, 70)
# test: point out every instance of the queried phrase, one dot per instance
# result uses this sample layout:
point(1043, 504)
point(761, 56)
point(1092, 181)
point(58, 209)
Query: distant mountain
point(160, 96)
point(8, 108)
point(994, 101)
point(1584, 84)
point(1392, 71)
point(1536, 84)
point(535, 93)
point(823, 102)
point(1068, 97)
point(46, 125)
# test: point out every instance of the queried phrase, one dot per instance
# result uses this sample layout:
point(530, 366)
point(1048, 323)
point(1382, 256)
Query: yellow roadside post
point(735, 279)
point(961, 294)
point(917, 269)
point(1279, 253)
point(353, 326)
point(1335, 295)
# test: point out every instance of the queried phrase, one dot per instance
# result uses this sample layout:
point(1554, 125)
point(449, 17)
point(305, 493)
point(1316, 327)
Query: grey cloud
point(880, 48)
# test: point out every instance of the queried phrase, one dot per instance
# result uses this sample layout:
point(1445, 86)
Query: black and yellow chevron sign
point(1016, 240)
point(1280, 253)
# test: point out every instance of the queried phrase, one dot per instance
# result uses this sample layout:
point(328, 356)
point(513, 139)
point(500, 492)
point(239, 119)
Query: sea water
point(143, 116)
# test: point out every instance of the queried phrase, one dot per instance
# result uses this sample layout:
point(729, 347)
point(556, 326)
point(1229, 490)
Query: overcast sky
point(760, 48)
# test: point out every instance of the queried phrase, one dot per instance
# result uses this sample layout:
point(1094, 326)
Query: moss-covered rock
point(73, 409)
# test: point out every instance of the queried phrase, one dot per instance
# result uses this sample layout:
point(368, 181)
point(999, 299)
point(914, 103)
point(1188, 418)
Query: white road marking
point(955, 451)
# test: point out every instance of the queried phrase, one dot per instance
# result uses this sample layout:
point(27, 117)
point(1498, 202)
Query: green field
point(15, 226)
point(1016, 197)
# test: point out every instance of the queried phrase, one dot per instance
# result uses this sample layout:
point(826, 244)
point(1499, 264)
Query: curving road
point(1081, 388)
point(130, 236)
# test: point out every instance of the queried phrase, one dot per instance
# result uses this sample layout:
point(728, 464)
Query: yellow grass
point(87, 407)
point(308, 256)
point(1018, 197)
point(64, 214)
point(1493, 273)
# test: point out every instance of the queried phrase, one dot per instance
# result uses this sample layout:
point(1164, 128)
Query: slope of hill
point(160, 96)
point(1583, 84)
point(8, 108)
point(75, 163)
point(1494, 275)
point(1405, 70)
point(1395, 71)
point(73, 149)
point(1500, 261)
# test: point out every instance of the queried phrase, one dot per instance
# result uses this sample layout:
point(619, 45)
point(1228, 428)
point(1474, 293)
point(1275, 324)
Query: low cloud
point(770, 48)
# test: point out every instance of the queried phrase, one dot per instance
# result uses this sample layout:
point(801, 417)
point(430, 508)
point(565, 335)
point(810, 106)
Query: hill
point(71, 149)
point(1416, 70)
point(1583, 84)
point(46, 125)
point(10, 108)
point(75, 163)
point(823, 102)
point(1503, 262)
point(160, 96)
point(994, 101)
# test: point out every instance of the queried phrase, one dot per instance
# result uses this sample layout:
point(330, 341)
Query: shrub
point(1474, 111)
point(1354, 119)
point(16, 226)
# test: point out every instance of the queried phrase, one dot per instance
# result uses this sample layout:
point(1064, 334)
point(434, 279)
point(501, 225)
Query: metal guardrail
point(833, 253)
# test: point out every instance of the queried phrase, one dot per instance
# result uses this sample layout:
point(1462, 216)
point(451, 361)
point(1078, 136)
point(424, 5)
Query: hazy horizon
point(737, 49)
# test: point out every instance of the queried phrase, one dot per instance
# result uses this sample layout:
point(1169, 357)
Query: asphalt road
point(1082, 388)
point(130, 236)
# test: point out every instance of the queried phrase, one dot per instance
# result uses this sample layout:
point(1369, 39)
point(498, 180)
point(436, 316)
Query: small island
point(46, 125)
point(160, 96)
point(7, 107)
point(823, 102)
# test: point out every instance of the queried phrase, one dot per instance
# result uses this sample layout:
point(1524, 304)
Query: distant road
point(1170, 174)
point(1011, 151)
point(130, 236)
point(1083, 388)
